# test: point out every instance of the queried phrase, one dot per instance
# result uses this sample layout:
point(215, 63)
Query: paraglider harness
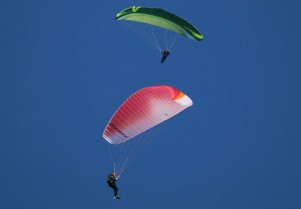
point(111, 180)
point(165, 54)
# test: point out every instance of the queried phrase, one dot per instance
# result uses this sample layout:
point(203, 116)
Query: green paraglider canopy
point(161, 18)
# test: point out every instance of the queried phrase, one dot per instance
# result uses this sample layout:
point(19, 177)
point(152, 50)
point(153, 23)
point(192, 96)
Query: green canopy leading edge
point(161, 18)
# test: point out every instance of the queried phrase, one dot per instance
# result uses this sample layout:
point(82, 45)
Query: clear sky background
point(66, 66)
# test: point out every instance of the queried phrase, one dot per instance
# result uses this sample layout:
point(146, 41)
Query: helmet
point(115, 173)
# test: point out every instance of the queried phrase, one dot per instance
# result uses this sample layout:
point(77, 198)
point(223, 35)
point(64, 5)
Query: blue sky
point(66, 66)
